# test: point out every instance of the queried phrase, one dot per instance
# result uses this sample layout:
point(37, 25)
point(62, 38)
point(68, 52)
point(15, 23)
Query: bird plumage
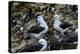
point(32, 48)
point(36, 29)
point(41, 45)
point(64, 25)
point(59, 26)
point(39, 30)
point(70, 37)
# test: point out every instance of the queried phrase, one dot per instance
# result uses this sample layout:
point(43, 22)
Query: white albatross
point(39, 30)
point(59, 26)
point(41, 45)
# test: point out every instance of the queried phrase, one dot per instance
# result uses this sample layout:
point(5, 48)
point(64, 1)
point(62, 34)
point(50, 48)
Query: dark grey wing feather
point(64, 25)
point(31, 48)
point(36, 29)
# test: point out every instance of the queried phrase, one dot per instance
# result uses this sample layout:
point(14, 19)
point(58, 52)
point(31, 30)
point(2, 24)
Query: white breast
point(57, 25)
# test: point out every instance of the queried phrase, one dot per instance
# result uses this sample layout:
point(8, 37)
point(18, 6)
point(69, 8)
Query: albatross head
point(56, 17)
point(41, 21)
point(43, 42)
point(39, 17)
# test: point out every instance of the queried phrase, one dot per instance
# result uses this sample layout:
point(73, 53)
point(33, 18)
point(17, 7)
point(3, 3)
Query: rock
point(19, 33)
point(15, 40)
point(14, 45)
point(21, 29)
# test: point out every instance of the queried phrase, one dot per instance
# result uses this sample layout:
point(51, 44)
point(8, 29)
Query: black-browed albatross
point(71, 37)
point(59, 26)
point(38, 31)
point(41, 45)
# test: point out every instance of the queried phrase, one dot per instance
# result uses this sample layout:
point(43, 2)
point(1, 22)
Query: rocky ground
point(19, 37)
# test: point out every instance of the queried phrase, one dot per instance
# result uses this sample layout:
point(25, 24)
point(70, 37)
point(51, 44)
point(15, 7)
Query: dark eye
point(39, 17)
point(41, 41)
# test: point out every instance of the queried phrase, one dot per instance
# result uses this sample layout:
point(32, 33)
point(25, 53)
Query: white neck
point(42, 22)
point(44, 43)
point(57, 21)
point(44, 47)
